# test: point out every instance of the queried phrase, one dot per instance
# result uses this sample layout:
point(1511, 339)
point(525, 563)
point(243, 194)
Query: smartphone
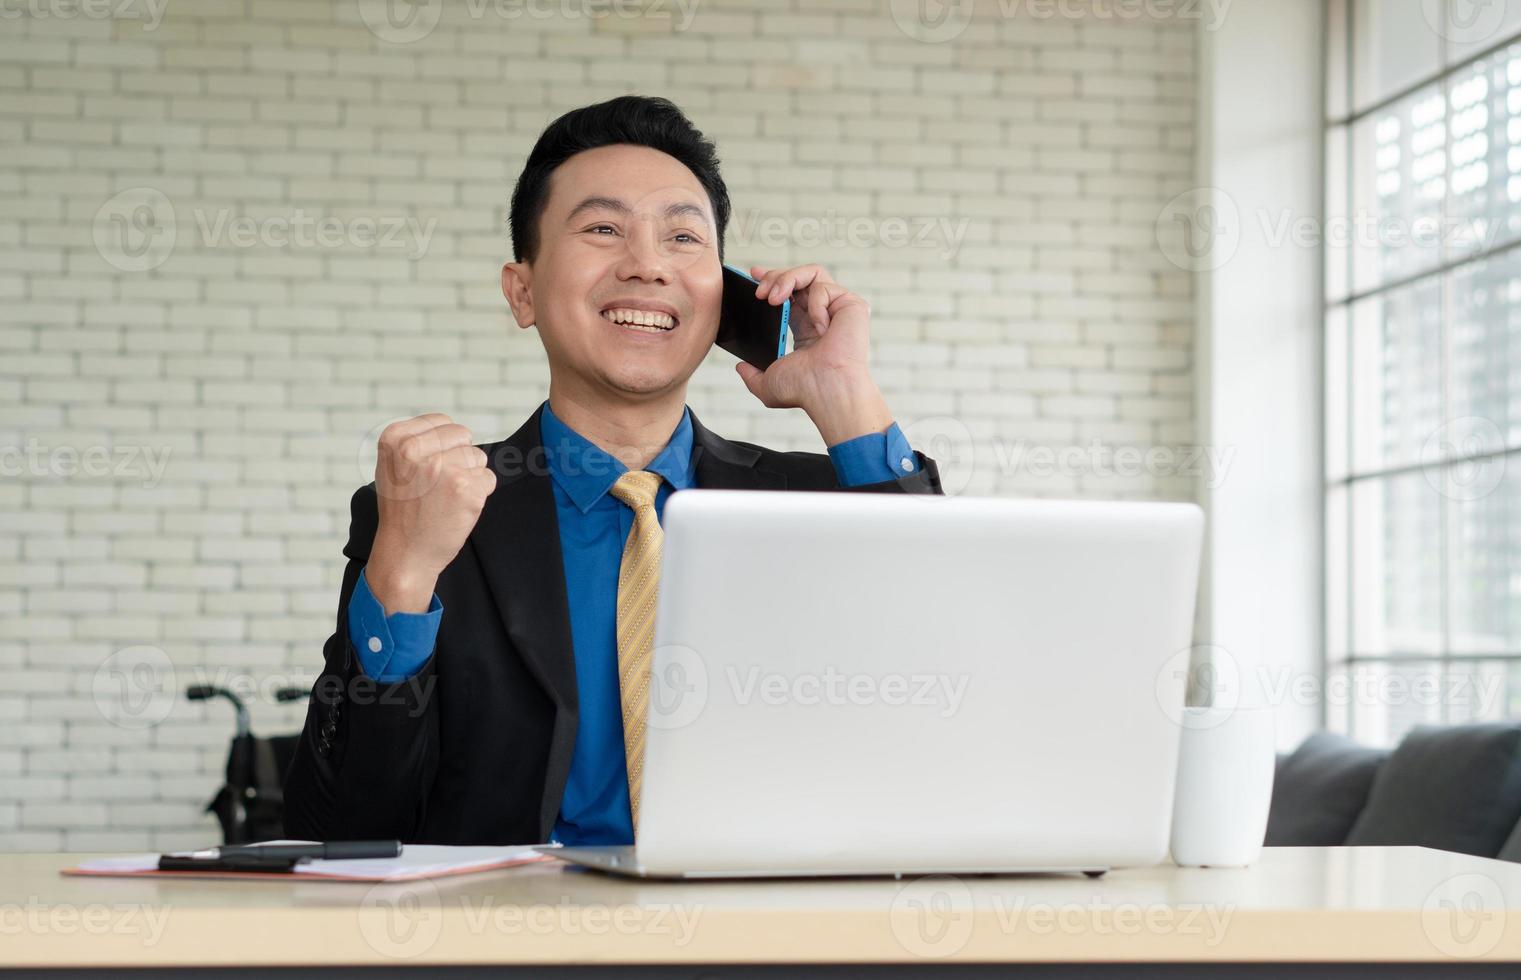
point(751, 329)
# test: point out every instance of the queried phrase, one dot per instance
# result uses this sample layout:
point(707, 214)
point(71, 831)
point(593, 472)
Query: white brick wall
point(1033, 153)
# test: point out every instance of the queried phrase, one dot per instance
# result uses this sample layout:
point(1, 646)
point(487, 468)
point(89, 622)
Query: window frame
point(1339, 310)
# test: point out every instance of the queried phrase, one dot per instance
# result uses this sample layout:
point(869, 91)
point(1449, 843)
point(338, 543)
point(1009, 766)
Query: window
point(1422, 365)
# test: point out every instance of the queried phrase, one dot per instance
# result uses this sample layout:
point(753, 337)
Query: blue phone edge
point(781, 340)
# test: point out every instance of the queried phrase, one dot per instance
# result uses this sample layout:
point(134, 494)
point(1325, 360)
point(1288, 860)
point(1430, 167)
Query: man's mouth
point(643, 320)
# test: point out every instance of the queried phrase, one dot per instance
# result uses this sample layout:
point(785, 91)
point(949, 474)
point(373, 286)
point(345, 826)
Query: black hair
point(633, 119)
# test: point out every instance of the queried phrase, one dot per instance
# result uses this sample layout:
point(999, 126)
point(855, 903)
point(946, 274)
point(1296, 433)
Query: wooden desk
point(1441, 912)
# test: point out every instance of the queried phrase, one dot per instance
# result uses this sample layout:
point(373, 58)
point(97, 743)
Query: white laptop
point(854, 684)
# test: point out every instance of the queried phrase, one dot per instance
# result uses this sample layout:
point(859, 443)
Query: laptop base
point(623, 861)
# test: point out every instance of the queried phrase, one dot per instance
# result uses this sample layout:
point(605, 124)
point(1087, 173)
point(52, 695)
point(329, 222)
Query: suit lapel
point(517, 542)
point(725, 465)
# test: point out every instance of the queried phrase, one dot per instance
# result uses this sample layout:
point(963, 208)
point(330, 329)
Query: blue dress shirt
point(593, 528)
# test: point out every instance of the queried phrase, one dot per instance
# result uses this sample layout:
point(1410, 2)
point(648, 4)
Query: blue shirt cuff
point(874, 458)
point(394, 647)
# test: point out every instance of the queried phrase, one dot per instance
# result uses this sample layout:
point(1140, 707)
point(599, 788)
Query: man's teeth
point(645, 320)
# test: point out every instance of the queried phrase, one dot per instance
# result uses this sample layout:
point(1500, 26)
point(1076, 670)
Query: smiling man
point(488, 678)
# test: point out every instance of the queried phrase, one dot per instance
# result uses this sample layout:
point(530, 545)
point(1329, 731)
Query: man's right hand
point(432, 484)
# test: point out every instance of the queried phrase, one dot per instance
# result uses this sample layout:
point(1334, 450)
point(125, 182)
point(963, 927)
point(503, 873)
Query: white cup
point(1225, 785)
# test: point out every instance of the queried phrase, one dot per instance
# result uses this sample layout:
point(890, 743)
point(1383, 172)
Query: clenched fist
point(432, 484)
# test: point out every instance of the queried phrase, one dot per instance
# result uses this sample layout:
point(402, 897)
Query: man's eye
point(600, 227)
point(689, 237)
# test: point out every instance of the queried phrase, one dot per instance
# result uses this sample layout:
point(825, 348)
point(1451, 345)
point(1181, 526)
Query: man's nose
point(645, 256)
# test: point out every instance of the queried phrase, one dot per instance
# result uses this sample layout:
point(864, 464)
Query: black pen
point(338, 850)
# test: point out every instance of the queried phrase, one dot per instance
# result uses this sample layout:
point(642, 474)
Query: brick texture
point(238, 237)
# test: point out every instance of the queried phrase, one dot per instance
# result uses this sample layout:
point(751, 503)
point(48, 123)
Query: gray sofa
point(1457, 788)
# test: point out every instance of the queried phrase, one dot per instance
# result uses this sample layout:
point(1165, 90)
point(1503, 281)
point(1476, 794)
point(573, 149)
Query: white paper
point(416, 861)
point(419, 861)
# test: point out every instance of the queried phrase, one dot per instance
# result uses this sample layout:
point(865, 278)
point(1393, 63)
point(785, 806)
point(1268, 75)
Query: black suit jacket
point(476, 748)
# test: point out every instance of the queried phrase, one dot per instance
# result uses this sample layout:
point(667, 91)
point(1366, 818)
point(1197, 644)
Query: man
point(488, 678)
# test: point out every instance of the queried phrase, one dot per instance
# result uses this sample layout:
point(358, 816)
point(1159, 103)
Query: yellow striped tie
point(638, 583)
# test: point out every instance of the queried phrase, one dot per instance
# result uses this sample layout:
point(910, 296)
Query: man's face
point(625, 228)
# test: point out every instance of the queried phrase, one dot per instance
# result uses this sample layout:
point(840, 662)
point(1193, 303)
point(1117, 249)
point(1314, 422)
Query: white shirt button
point(906, 463)
point(375, 644)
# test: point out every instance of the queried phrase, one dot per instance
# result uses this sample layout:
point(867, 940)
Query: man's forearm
point(846, 406)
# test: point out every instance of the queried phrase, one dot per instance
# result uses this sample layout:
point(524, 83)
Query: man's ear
point(517, 280)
